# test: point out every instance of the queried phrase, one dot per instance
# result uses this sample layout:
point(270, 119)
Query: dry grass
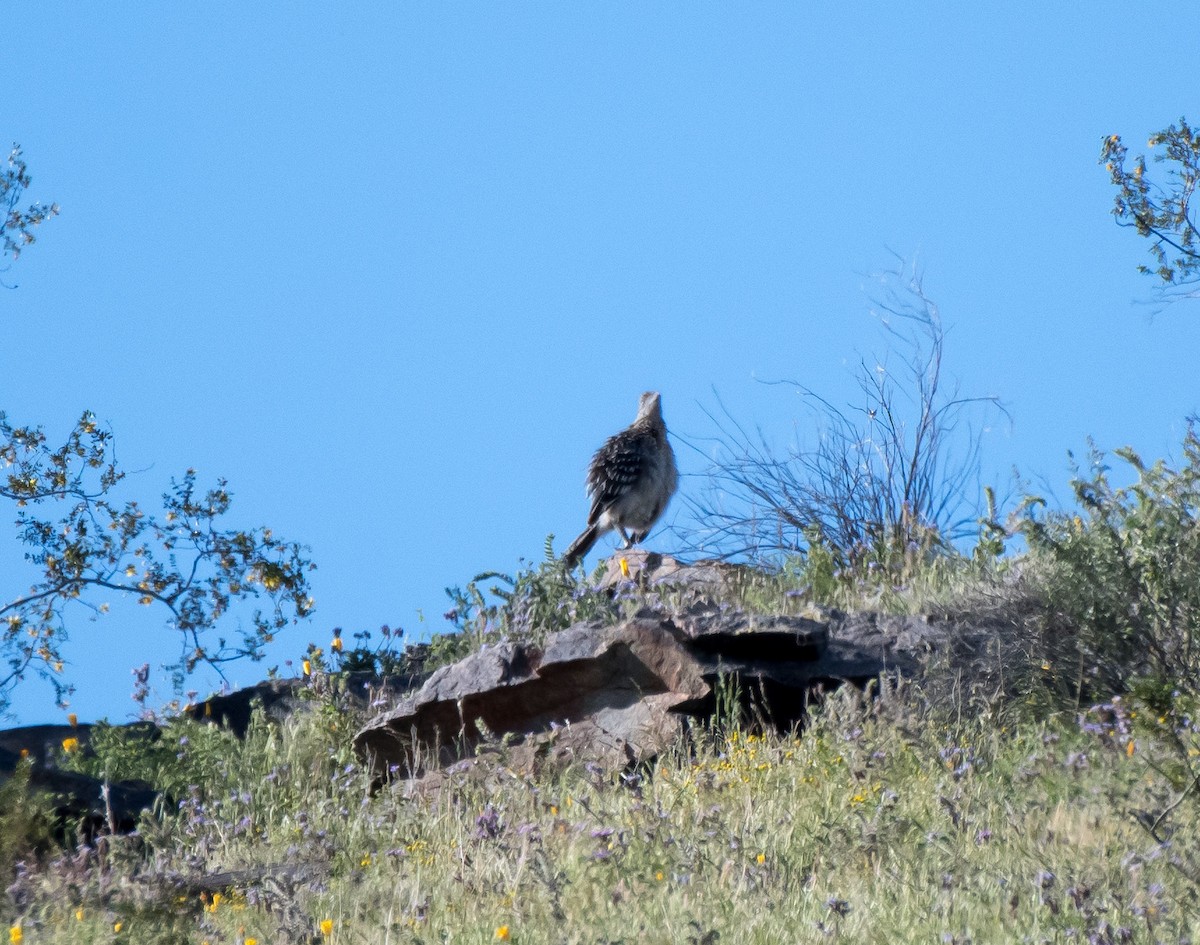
point(883, 822)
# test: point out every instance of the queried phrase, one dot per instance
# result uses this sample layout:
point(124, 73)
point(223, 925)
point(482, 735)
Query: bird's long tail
point(581, 546)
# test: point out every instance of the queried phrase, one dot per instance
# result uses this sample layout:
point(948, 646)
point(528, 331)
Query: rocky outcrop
point(606, 693)
point(613, 695)
point(620, 694)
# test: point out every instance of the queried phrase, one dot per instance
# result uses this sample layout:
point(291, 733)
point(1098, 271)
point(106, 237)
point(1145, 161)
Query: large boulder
point(613, 695)
point(609, 694)
point(618, 695)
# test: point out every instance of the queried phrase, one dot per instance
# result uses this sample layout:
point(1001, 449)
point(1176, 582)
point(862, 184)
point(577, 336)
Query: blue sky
point(395, 270)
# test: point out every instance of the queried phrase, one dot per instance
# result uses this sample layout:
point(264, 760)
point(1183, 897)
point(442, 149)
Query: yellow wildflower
point(502, 932)
point(251, 941)
point(70, 745)
point(307, 668)
point(117, 926)
point(73, 719)
point(15, 934)
point(624, 568)
point(336, 644)
point(659, 876)
point(327, 926)
point(79, 914)
point(761, 859)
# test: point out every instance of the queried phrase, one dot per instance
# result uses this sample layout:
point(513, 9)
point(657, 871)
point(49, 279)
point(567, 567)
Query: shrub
point(27, 822)
point(891, 482)
point(1120, 577)
point(524, 607)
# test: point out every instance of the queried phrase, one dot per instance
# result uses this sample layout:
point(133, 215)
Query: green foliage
point(525, 607)
point(1123, 627)
point(91, 547)
point(27, 822)
point(992, 543)
point(1162, 214)
point(1120, 576)
point(884, 821)
point(902, 583)
point(280, 795)
point(818, 569)
point(1156, 727)
point(388, 657)
point(185, 752)
point(17, 225)
point(729, 708)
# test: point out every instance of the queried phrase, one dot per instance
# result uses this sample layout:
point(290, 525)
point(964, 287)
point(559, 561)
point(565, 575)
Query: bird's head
point(650, 405)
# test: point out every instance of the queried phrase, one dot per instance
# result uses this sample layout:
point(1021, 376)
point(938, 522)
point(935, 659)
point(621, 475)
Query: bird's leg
point(625, 535)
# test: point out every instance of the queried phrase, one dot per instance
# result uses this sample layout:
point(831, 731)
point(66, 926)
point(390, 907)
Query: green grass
point(987, 803)
point(884, 822)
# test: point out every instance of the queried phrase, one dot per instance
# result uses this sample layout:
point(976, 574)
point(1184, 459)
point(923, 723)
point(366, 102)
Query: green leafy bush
point(27, 821)
point(523, 607)
point(1120, 577)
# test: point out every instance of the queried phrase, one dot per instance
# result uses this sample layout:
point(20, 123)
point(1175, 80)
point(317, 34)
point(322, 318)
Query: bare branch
point(895, 477)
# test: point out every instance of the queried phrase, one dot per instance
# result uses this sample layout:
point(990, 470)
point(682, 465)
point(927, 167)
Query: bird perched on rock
point(630, 480)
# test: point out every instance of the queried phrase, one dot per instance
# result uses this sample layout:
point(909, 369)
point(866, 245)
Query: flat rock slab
point(617, 695)
point(609, 690)
point(648, 569)
point(738, 635)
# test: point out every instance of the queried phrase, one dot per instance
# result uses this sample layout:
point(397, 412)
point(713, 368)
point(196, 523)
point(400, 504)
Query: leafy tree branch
point(87, 546)
point(1160, 211)
point(16, 224)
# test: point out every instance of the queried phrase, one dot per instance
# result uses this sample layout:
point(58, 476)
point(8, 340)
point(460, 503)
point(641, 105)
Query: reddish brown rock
point(609, 693)
point(617, 695)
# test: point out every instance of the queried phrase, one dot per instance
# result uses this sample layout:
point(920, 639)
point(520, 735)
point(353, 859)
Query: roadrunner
point(630, 481)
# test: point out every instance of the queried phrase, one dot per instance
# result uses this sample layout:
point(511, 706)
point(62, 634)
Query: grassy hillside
point(885, 821)
point(1045, 791)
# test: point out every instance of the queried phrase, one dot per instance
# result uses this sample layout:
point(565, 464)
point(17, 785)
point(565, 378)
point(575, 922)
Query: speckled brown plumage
point(630, 480)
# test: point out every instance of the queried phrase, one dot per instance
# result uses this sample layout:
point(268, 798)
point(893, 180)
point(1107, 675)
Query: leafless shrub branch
point(896, 474)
